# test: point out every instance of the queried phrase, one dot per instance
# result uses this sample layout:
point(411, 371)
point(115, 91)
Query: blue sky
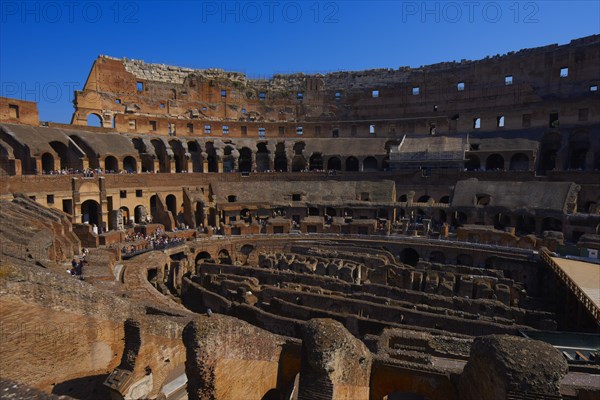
point(47, 47)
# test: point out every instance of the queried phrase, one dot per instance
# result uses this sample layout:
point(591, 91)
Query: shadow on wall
point(86, 388)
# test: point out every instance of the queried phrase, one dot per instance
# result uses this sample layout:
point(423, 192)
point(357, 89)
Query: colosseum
point(399, 234)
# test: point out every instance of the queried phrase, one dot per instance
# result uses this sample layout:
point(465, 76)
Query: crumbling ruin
point(383, 234)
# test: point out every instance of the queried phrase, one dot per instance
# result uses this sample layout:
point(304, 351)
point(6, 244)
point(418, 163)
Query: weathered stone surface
point(502, 364)
point(335, 364)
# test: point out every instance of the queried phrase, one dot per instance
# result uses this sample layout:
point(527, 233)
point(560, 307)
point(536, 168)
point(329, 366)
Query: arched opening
point(228, 161)
point(472, 163)
point(352, 164)
point(280, 163)
point(370, 164)
point(403, 198)
point(202, 256)
point(196, 155)
point(519, 162)
point(551, 143)
point(313, 212)
point(316, 162)
point(494, 162)
point(298, 163)
point(178, 162)
point(163, 157)
point(525, 225)
point(129, 164)
point(90, 212)
point(424, 199)
point(94, 120)
point(464, 259)
point(501, 221)
point(445, 200)
point(70, 157)
point(245, 160)
point(172, 205)
point(111, 164)
point(224, 257)
point(334, 164)
point(330, 211)
point(409, 256)
point(47, 162)
point(262, 158)
point(125, 215)
point(139, 214)
point(153, 200)
point(437, 257)
point(551, 224)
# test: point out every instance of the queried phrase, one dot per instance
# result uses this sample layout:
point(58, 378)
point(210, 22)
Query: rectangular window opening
point(335, 132)
point(262, 96)
point(262, 132)
point(526, 120)
point(460, 86)
point(223, 93)
point(553, 120)
point(139, 193)
point(299, 130)
point(207, 129)
point(375, 93)
point(152, 125)
point(564, 72)
point(281, 130)
point(13, 111)
point(372, 129)
point(244, 130)
point(190, 128)
point(300, 96)
point(416, 91)
point(50, 199)
point(594, 88)
point(477, 123)
point(118, 101)
point(338, 95)
point(139, 86)
point(508, 80)
point(123, 194)
point(225, 129)
point(500, 121)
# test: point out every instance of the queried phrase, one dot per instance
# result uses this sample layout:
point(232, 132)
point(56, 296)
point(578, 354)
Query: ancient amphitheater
point(380, 234)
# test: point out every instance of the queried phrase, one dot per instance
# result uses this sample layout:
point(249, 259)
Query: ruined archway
point(130, 164)
point(262, 158)
point(47, 162)
point(494, 162)
point(94, 120)
point(139, 214)
point(334, 164)
point(90, 212)
point(316, 162)
point(519, 162)
point(245, 160)
point(409, 256)
point(352, 164)
point(111, 164)
point(171, 201)
point(370, 164)
point(224, 257)
point(280, 163)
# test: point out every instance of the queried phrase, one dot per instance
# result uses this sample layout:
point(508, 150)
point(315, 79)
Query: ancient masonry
point(382, 234)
